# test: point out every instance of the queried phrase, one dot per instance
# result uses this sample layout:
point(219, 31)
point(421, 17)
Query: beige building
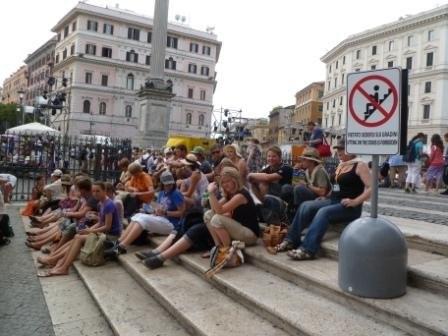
point(105, 55)
point(18, 81)
point(259, 129)
point(284, 125)
point(40, 64)
point(414, 42)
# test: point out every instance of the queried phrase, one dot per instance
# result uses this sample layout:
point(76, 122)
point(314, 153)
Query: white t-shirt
point(10, 178)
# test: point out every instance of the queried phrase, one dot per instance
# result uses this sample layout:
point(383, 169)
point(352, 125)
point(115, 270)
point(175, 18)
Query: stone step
point(292, 308)
point(419, 235)
point(420, 195)
point(425, 270)
point(410, 208)
point(196, 304)
point(418, 312)
point(128, 308)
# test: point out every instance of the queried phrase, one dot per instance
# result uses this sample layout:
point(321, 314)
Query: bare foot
point(44, 261)
point(57, 271)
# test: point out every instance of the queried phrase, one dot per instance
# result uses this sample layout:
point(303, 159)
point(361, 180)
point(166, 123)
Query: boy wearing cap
point(164, 220)
point(205, 167)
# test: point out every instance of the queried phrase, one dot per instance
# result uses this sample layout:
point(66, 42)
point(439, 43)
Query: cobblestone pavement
point(23, 311)
point(419, 202)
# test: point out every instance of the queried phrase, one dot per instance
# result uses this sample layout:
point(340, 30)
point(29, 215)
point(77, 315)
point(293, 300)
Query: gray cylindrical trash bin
point(373, 259)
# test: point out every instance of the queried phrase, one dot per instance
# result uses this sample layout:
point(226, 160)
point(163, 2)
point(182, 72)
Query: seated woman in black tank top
point(351, 188)
point(233, 217)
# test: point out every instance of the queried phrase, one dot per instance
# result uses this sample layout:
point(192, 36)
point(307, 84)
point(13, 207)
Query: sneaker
point(142, 255)
point(114, 252)
point(407, 190)
point(444, 192)
point(153, 262)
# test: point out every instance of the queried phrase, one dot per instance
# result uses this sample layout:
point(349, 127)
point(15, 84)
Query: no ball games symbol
point(373, 101)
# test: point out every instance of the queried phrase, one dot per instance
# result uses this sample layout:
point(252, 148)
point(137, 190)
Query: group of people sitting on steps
point(195, 207)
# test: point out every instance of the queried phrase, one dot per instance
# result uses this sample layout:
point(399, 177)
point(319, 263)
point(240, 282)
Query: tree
point(9, 117)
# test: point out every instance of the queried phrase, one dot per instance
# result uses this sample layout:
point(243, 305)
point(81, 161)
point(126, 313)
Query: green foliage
point(9, 116)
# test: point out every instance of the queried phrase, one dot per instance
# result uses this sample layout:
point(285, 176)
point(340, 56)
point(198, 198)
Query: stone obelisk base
point(154, 108)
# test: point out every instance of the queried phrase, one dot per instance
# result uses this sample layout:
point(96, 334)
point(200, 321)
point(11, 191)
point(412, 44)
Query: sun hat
point(311, 154)
point(190, 160)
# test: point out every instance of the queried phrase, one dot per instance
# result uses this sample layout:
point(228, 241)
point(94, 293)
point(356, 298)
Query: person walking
point(413, 160)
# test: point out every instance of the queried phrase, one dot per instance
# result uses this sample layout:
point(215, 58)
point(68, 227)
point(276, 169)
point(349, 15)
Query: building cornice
point(133, 19)
point(418, 75)
point(50, 44)
point(404, 24)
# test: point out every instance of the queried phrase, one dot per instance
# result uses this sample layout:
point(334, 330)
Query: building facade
point(18, 81)
point(105, 56)
point(309, 104)
point(40, 64)
point(284, 125)
point(259, 129)
point(418, 43)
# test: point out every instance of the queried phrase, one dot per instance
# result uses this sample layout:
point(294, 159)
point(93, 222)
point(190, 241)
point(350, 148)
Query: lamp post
point(21, 94)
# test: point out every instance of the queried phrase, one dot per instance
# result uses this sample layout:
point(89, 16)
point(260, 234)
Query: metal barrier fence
point(26, 156)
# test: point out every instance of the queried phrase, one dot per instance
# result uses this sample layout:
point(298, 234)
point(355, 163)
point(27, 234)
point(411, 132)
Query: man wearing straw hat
point(317, 184)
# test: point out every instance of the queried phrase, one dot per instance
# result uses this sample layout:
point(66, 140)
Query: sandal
point(284, 246)
point(300, 254)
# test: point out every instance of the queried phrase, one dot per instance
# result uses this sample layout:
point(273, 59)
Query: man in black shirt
point(272, 178)
point(269, 185)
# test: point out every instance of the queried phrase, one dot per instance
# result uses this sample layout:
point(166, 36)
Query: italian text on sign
point(373, 112)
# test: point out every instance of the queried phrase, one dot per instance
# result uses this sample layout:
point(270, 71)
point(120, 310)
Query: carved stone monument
point(154, 98)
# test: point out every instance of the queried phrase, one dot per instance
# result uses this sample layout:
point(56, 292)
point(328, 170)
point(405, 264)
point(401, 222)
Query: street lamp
point(21, 95)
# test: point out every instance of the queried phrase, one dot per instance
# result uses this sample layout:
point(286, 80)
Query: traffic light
point(64, 82)
point(226, 112)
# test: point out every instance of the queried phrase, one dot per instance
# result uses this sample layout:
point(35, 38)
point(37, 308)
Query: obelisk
point(154, 98)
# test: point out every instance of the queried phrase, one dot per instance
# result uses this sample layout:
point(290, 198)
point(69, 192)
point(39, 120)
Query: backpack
point(409, 156)
point(92, 253)
point(5, 230)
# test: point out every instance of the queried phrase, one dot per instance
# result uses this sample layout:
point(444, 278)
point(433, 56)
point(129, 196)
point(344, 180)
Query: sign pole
point(374, 195)
point(376, 114)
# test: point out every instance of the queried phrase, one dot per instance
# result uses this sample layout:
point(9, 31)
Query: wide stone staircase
point(273, 295)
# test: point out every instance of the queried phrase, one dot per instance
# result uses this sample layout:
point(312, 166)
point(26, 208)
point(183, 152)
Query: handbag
point(324, 148)
point(274, 235)
point(92, 253)
point(230, 256)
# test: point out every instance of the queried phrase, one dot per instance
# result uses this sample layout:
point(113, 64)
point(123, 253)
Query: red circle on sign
point(357, 87)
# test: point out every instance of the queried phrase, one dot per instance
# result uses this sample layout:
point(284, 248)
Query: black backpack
point(409, 156)
point(5, 230)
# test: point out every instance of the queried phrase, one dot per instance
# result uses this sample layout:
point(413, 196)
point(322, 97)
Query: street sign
point(373, 112)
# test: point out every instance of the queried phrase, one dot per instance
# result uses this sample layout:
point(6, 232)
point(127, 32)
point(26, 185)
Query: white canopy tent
point(33, 128)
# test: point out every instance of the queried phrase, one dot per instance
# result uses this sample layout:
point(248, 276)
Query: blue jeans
point(318, 215)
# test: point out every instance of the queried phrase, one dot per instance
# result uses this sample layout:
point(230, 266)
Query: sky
point(270, 49)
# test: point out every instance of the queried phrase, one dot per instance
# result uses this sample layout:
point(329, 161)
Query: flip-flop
point(43, 274)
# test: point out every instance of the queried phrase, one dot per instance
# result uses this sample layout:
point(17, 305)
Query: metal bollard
point(373, 259)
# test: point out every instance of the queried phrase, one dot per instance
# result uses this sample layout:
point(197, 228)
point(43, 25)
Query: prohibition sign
point(386, 115)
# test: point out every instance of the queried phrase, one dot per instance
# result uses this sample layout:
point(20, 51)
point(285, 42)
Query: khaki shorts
point(236, 230)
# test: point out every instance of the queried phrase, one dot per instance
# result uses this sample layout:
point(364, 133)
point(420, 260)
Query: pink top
point(436, 158)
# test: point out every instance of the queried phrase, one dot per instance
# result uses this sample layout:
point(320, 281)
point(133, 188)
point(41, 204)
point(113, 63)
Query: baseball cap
point(57, 172)
point(190, 160)
point(167, 178)
point(198, 150)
